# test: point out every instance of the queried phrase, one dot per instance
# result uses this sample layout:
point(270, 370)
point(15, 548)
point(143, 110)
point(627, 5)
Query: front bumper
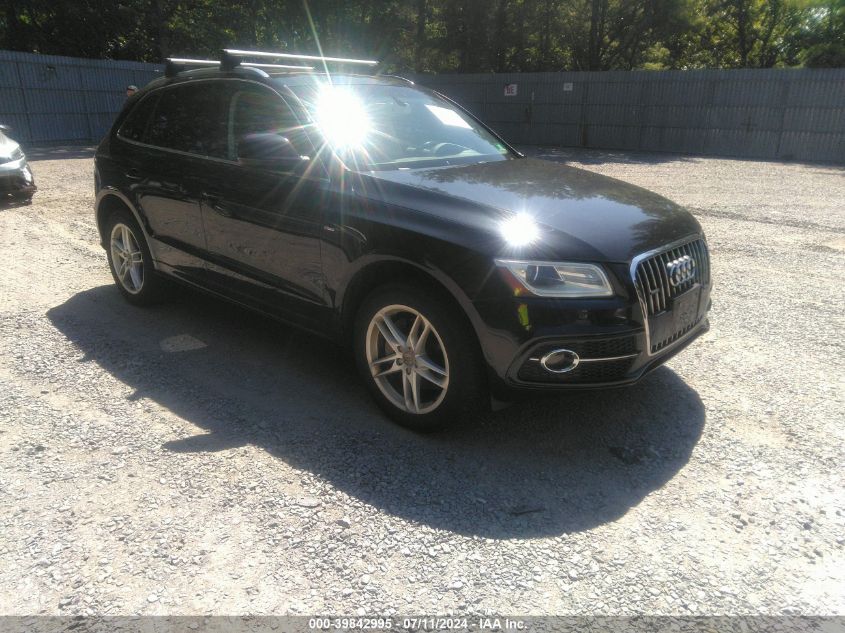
point(602, 361)
point(611, 337)
point(16, 178)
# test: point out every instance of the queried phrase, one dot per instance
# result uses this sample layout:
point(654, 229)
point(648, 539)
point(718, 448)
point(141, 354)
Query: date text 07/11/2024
point(418, 623)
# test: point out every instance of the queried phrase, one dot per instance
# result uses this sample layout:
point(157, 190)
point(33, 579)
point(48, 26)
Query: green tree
point(750, 33)
point(446, 35)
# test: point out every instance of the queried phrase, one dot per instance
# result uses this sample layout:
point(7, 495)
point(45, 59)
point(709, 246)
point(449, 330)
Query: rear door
point(263, 224)
point(186, 133)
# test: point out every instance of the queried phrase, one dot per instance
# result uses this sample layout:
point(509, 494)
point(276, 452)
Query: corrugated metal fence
point(792, 114)
point(778, 114)
point(51, 99)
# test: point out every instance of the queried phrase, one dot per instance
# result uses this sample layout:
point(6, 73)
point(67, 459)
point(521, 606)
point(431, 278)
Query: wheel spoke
point(411, 391)
point(414, 332)
point(433, 378)
point(414, 379)
point(390, 332)
point(427, 363)
point(419, 344)
point(136, 272)
point(386, 359)
point(378, 371)
point(118, 248)
point(387, 372)
point(406, 388)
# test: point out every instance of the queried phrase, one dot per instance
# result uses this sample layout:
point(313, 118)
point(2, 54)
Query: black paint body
point(305, 248)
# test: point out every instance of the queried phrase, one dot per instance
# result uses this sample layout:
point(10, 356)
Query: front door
point(263, 223)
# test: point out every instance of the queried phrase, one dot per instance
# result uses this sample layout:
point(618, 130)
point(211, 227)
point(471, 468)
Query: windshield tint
point(376, 127)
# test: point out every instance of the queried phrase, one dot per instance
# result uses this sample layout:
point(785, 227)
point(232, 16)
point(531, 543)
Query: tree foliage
point(446, 35)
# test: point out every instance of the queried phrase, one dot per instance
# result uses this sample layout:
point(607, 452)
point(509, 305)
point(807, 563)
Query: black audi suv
point(381, 214)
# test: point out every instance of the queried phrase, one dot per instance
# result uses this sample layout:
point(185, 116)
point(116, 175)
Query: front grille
point(661, 280)
point(656, 346)
point(653, 275)
point(591, 347)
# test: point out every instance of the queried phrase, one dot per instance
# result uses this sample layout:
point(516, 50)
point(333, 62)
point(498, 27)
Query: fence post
point(641, 107)
point(784, 96)
point(85, 106)
point(30, 131)
point(583, 114)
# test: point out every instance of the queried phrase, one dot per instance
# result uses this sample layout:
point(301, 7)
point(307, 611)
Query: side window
point(191, 118)
point(135, 124)
point(256, 110)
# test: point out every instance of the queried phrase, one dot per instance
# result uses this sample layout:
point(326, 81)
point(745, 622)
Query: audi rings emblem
point(680, 270)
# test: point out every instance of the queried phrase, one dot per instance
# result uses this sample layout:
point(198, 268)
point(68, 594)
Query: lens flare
point(519, 230)
point(342, 117)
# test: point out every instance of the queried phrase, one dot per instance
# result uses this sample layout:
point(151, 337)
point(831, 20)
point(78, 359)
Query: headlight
point(16, 154)
point(559, 279)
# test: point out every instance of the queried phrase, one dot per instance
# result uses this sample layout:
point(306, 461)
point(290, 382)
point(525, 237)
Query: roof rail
point(178, 64)
point(235, 53)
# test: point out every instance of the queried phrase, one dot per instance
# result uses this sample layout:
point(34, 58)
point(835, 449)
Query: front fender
point(371, 262)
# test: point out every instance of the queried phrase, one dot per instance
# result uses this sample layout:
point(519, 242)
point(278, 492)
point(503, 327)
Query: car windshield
point(378, 127)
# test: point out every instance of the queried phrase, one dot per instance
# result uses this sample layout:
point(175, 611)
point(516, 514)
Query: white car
point(16, 177)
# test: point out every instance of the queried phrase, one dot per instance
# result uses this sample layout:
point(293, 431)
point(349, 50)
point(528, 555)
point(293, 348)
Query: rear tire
point(418, 357)
point(130, 261)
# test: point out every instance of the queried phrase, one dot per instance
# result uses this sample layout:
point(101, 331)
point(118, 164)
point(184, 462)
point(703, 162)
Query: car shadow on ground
point(7, 201)
point(538, 468)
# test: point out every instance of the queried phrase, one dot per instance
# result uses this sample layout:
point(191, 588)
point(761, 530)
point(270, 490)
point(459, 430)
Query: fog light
point(560, 361)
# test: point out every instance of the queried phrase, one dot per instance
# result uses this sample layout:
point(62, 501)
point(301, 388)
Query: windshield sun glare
point(342, 117)
point(377, 126)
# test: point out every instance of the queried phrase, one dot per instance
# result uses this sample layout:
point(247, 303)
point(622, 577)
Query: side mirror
point(269, 150)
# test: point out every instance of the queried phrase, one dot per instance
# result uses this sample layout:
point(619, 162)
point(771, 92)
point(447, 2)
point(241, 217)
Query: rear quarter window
point(135, 125)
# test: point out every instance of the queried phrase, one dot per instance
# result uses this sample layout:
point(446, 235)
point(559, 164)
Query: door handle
point(211, 198)
point(174, 187)
point(133, 174)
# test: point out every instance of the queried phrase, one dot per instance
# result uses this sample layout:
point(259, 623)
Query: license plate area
point(683, 315)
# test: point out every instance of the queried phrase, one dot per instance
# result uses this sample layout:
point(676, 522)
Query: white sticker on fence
point(510, 90)
point(567, 87)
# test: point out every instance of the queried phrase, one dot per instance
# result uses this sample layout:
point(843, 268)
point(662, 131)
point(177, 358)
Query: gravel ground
point(195, 459)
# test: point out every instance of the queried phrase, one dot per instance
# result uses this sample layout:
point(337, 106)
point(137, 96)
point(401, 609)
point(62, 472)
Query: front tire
point(130, 261)
point(418, 357)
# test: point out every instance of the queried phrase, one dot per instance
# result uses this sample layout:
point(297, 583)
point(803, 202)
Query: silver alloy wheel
point(127, 258)
point(407, 359)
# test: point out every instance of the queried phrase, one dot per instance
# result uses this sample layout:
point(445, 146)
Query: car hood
point(579, 214)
